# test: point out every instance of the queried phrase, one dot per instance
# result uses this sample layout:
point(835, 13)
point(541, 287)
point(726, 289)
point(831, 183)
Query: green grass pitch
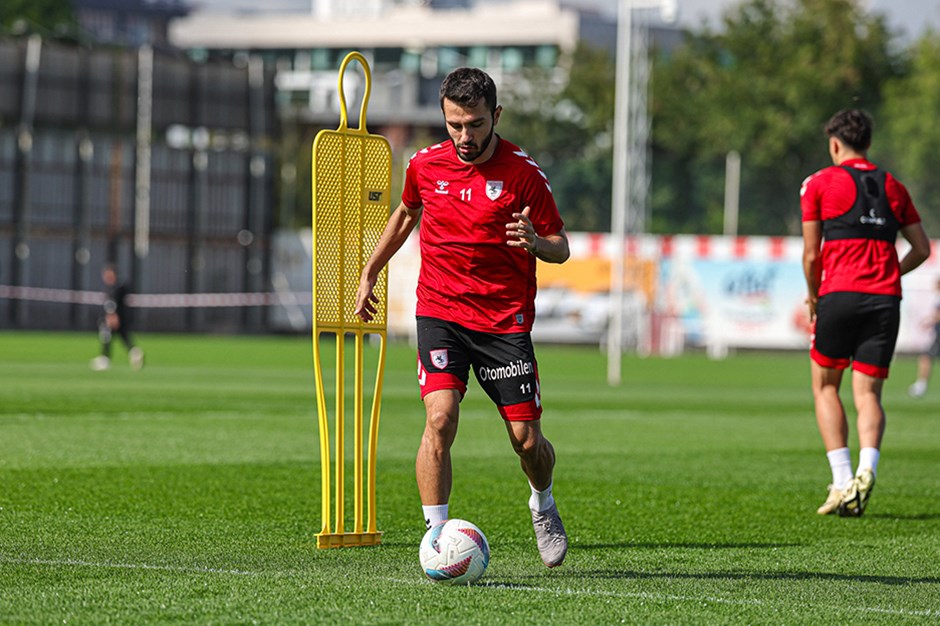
point(189, 492)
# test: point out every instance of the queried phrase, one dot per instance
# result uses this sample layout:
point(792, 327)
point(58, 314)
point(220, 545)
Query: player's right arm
point(812, 263)
point(400, 224)
point(811, 212)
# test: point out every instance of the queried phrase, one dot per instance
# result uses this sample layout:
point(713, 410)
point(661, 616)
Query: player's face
point(471, 129)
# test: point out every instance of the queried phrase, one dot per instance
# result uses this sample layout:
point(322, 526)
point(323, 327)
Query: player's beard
point(473, 156)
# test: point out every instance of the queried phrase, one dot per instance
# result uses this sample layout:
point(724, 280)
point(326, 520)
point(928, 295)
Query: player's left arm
point(920, 247)
point(552, 248)
point(912, 230)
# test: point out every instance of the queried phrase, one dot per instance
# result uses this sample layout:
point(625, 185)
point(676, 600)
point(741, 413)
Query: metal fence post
point(21, 171)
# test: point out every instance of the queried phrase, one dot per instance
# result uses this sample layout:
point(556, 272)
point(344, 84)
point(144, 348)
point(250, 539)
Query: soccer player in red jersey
point(487, 214)
point(852, 214)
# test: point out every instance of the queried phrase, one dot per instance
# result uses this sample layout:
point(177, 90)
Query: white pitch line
point(645, 595)
point(664, 597)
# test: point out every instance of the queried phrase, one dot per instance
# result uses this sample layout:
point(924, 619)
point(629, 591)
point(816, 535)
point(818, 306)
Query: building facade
point(128, 22)
point(410, 47)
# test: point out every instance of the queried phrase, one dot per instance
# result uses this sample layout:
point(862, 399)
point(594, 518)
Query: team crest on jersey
point(439, 358)
point(493, 189)
point(520, 318)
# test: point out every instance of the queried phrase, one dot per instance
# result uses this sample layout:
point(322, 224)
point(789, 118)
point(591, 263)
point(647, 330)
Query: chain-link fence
point(142, 158)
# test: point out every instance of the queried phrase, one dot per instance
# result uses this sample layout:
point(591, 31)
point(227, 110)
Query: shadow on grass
point(921, 517)
point(633, 575)
point(858, 578)
point(687, 545)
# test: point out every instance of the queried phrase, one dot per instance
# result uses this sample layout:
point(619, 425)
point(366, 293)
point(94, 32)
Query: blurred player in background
point(925, 360)
point(852, 213)
point(487, 213)
point(115, 318)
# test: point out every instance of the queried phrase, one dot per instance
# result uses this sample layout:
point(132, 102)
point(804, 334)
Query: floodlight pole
point(732, 192)
point(621, 184)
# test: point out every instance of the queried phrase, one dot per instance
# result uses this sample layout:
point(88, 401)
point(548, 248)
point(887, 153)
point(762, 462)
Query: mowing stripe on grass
point(642, 595)
point(131, 566)
point(665, 597)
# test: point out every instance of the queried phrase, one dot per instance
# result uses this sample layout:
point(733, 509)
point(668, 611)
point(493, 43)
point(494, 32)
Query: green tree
point(44, 16)
point(910, 133)
point(564, 120)
point(764, 87)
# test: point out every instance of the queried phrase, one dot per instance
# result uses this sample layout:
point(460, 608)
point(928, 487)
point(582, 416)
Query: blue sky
point(911, 16)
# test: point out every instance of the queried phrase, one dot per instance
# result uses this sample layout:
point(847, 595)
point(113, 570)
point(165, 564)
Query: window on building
point(546, 56)
point(513, 59)
point(137, 30)
point(478, 56)
point(320, 59)
point(449, 59)
point(99, 23)
point(387, 58)
point(302, 61)
point(410, 61)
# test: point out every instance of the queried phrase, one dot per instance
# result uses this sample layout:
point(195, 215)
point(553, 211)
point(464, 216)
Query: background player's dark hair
point(853, 127)
point(466, 86)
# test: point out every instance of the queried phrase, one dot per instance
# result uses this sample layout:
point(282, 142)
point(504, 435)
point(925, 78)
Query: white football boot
point(550, 536)
point(833, 500)
point(136, 358)
point(857, 494)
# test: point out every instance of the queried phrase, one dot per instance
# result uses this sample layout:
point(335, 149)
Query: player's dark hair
point(853, 127)
point(468, 85)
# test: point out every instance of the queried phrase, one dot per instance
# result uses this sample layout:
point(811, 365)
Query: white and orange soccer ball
point(454, 552)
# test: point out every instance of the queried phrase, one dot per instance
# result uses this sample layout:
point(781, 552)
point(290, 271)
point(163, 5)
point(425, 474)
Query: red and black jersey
point(859, 258)
point(469, 275)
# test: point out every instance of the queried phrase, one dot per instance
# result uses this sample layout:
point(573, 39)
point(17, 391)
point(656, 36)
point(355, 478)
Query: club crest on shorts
point(439, 358)
point(494, 188)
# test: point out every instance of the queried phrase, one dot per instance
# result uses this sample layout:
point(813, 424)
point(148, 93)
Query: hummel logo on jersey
point(422, 375)
point(522, 153)
point(439, 358)
point(493, 189)
point(442, 187)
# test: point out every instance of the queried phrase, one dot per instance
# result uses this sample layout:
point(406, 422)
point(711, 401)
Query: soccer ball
point(454, 552)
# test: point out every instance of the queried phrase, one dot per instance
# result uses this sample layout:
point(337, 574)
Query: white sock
point(868, 459)
point(840, 461)
point(541, 501)
point(434, 514)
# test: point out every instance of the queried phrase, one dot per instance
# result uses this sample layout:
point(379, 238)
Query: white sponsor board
point(681, 291)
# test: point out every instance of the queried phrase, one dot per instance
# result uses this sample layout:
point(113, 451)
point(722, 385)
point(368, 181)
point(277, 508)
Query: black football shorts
point(504, 365)
point(856, 328)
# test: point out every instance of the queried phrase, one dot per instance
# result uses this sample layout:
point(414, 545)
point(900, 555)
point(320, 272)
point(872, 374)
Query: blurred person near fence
point(116, 318)
point(926, 358)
